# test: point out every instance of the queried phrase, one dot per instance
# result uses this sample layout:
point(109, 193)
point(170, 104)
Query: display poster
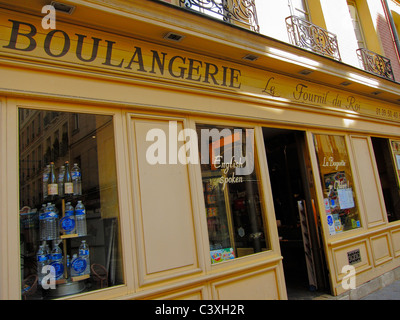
point(346, 200)
point(221, 255)
point(331, 224)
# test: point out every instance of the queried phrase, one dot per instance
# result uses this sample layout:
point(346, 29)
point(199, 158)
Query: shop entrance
point(297, 220)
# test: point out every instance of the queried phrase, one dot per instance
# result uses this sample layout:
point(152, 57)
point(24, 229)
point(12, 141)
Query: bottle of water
point(80, 218)
point(41, 258)
point(42, 222)
point(68, 271)
point(68, 224)
point(76, 179)
point(84, 254)
point(46, 174)
point(52, 221)
point(57, 261)
point(60, 181)
point(78, 266)
point(47, 250)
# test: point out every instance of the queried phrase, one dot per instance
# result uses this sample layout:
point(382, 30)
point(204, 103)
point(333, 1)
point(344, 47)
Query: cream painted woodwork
point(165, 230)
point(369, 183)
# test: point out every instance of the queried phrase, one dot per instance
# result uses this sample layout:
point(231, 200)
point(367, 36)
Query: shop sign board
point(23, 36)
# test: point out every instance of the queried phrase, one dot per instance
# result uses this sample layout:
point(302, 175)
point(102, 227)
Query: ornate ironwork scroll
point(307, 35)
point(376, 63)
point(238, 12)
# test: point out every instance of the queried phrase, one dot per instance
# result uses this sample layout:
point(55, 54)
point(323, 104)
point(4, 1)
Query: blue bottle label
point(56, 256)
point(58, 268)
point(75, 175)
point(42, 258)
point(67, 224)
point(79, 265)
point(79, 212)
point(83, 252)
point(52, 214)
point(69, 213)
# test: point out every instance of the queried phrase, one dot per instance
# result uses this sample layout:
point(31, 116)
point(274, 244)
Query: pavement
point(368, 291)
point(390, 292)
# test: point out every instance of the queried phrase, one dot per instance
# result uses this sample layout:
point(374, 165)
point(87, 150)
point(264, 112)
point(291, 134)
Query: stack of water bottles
point(79, 266)
point(51, 225)
point(73, 221)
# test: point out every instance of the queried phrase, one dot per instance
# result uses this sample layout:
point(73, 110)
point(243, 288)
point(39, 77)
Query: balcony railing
point(237, 12)
point(376, 63)
point(304, 34)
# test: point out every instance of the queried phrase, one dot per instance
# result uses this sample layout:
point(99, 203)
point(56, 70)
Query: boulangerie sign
point(22, 36)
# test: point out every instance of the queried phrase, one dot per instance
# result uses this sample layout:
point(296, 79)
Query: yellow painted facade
point(115, 63)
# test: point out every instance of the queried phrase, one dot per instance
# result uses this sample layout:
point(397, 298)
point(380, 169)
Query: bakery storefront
point(136, 170)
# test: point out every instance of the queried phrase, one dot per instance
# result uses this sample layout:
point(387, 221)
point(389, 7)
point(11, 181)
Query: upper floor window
point(299, 8)
point(356, 24)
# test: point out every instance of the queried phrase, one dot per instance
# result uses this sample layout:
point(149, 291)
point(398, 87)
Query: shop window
point(64, 250)
point(341, 208)
point(234, 210)
point(387, 155)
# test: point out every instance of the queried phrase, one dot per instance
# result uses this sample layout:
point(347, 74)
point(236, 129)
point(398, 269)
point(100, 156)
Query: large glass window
point(234, 210)
point(69, 225)
point(337, 181)
point(387, 156)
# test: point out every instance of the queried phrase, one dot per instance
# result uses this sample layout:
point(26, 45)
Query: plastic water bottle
point(46, 174)
point(60, 181)
point(52, 221)
point(78, 266)
point(84, 254)
point(57, 261)
point(68, 267)
point(68, 224)
point(76, 179)
point(42, 222)
point(41, 258)
point(47, 250)
point(80, 218)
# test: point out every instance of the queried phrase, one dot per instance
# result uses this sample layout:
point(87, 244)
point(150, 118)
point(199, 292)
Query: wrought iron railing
point(238, 12)
point(307, 35)
point(376, 63)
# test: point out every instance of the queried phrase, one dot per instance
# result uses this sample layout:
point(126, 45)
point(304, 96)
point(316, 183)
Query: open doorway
point(297, 219)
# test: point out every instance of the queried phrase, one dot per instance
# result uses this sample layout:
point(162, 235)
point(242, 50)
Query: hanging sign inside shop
point(24, 36)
